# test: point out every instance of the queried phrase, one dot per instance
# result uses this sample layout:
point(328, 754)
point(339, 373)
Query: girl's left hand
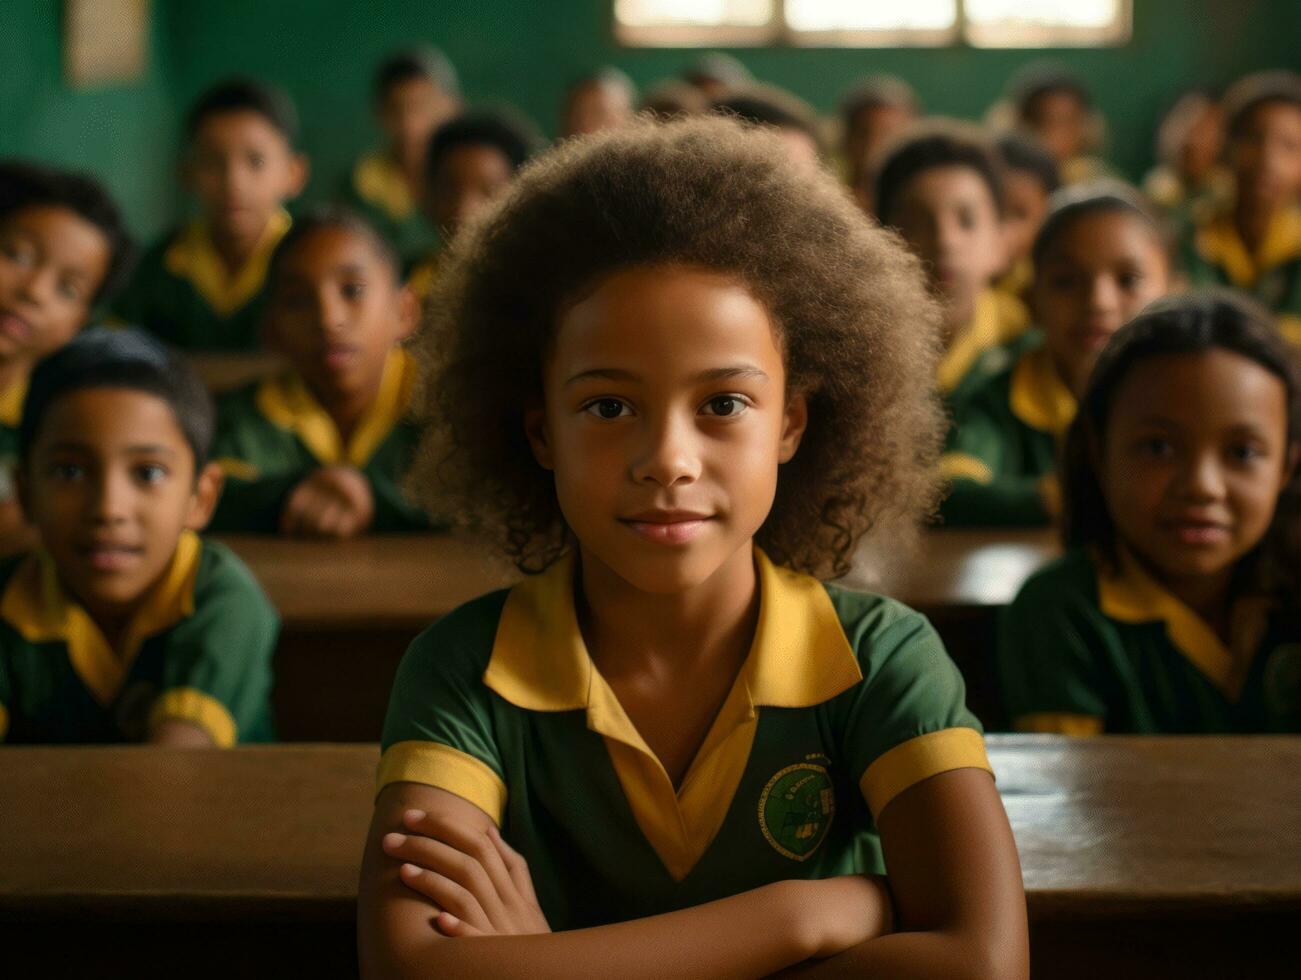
point(479, 882)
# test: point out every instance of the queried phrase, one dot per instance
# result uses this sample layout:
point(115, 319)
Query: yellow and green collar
point(194, 258)
point(800, 657)
point(11, 404)
point(1132, 595)
point(1218, 241)
point(378, 180)
point(998, 319)
point(286, 401)
point(1039, 397)
point(37, 606)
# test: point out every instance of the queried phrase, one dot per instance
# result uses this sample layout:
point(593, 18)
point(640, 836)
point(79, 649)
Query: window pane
point(870, 15)
point(1040, 23)
point(698, 13)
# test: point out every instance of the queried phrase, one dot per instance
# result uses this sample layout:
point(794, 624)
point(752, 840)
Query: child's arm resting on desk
point(748, 935)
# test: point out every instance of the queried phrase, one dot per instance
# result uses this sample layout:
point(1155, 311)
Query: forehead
point(474, 160)
point(1207, 392)
point(413, 88)
point(238, 127)
point(1271, 115)
point(946, 186)
point(63, 231)
point(1097, 236)
point(109, 420)
point(666, 319)
point(325, 250)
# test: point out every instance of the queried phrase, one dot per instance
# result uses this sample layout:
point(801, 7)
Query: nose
point(332, 310)
point(1103, 294)
point(669, 455)
point(1204, 478)
point(112, 497)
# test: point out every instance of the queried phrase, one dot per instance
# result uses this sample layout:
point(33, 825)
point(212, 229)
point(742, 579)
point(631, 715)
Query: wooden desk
point(1156, 857)
point(350, 609)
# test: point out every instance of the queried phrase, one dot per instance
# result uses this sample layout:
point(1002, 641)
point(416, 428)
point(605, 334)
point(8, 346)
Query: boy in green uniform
point(1055, 106)
point(942, 189)
point(1175, 609)
point(415, 92)
point(63, 251)
point(701, 751)
point(872, 113)
point(471, 159)
point(321, 448)
point(596, 101)
point(1102, 258)
point(201, 287)
point(1254, 244)
point(127, 626)
point(1030, 177)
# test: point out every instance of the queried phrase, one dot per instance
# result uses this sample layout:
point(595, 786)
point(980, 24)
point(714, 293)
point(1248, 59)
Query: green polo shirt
point(1215, 255)
point(1083, 650)
point(1001, 457)
point(273, 434)
point(845, 700)
point(183, 293)
point(376, 189)
point(999, 320)
point(199, 650)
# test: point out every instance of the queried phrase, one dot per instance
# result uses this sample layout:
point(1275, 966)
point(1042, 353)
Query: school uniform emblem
point(795, 809)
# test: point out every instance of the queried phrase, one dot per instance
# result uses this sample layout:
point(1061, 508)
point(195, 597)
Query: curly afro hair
point(848, 301)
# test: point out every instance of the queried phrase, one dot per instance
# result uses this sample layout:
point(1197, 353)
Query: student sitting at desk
point(320, 449)
point(1176, 609)
point(127, 627)
point(656, 382)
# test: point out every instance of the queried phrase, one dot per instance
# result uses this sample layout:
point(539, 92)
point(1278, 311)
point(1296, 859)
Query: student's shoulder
point(459, 643)
point(1069, 580)
point(222, 575)
point(879, 627)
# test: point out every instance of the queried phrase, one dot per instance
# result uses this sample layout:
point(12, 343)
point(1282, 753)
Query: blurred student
point(320, 450)
point(415, 91)
point(1189, 176)
point(1056, 107)
point(64, 251)
point(126, 626)
point(1030, 177)
point(716, 74)
point(793, 119)
point(597, 101)
point(202, 286)
point(1254, 243)
point(1174, 610)
point(1099, 259)
point(872, 113)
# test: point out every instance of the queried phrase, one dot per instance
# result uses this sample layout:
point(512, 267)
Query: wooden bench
point(1142, 857)
point(350, 609)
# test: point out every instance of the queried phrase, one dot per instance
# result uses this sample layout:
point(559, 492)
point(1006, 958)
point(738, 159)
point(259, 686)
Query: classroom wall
point(525, 51)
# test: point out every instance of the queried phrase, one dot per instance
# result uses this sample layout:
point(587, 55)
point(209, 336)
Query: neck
point(1252, 219)
point(234, 248)
point(412, 165)
point(346, 409)
point(958, 314)
point(1209, 596)
point(629, 631)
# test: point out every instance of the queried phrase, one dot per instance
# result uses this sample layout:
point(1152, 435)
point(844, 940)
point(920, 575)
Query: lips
point(338, 356)
point(14, 326)
point(1198, 532)
point(667, 526)
point(111, 556)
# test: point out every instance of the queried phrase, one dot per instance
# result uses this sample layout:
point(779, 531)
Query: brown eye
point(607, 408)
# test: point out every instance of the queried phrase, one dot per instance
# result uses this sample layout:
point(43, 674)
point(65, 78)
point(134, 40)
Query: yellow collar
point(11, 404)
point(378, 180)
point(193, 257)
point(286, 401)
point(1018, 279)
point(37, 606)
point(998, 319)
point(1219, 242)
point(1039, 397)
point(800, 657)
point(1131, 595)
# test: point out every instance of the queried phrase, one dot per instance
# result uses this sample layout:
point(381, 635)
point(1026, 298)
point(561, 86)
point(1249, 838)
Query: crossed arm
point(448, 896)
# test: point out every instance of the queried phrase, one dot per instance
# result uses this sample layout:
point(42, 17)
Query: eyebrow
point(710, 374)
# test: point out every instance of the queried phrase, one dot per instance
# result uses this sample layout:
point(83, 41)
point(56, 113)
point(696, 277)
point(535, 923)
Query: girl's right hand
point(843, 912)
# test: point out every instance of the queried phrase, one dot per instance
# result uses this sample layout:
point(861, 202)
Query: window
point(873, 23)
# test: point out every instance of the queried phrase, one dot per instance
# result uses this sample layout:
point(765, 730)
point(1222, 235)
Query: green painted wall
point(525, 51)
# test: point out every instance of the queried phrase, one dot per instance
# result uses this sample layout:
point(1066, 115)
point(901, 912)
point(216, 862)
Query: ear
point(795, 421)
point(207, 491)
point(535, 430)
point(408, 313)
point(300, 169)
point(1290, 464)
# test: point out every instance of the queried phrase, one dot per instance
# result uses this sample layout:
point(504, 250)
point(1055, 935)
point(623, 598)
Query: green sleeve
point(262, 464)
point(1052, 644)
point(224, 650)
point(907, 719)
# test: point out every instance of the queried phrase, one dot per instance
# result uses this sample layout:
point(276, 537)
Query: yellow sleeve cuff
point(954, 466)
point(192, 705)
point(237, 469)
point(1290, 327)
point(920, 758)
point(1059, 723)
point(444, 767)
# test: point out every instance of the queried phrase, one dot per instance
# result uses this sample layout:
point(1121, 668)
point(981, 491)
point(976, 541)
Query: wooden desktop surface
point(1176, 855)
